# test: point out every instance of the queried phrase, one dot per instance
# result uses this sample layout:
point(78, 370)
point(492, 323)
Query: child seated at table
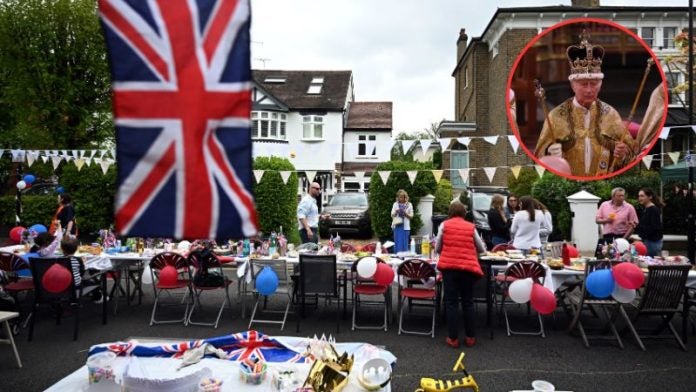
point(69, 246)
point(45, 245)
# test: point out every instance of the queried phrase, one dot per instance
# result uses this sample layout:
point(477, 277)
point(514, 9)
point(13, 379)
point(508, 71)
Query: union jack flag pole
point(181, 91)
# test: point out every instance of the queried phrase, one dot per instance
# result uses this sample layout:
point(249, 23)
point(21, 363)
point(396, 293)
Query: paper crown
point(585, 59)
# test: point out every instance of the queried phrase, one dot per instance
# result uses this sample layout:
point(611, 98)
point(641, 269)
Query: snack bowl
point(252, 377)
point(99, 366)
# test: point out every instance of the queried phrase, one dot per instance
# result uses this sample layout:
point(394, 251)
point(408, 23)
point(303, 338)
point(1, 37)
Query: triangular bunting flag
point(1, 152)
point(44, 158)
point(284, 175)
point(88, 161)
point(490, 172)
point(693, 128)
point(92, 153)
point(406, 145)
point(102, 153)
point(56, 161)
point(412, 175)
point(75, 154)
point(445, 142)
point(665, 133)
point(464, 140)
point(113, 153)
point(384, 175)
point(359, 174)
point(79, 162)
point(516, 170)
point(540, 170)
point(258, 174)
point(438, 175)
point(105, 163)
point(674, 156)
point(425, 144)
point(647, 160)
point(464, 174)
point(514, 143)
point(310, 175)
point(491, 139)
point(31, 157)
point(64, 153)
point(17, 155)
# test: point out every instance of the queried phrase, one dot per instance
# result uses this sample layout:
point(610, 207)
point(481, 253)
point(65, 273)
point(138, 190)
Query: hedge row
point(276, 202)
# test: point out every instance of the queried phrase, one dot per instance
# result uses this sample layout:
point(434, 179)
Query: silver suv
point(348, 212)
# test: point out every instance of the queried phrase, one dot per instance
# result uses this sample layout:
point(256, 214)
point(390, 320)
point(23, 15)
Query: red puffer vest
point(458, 248)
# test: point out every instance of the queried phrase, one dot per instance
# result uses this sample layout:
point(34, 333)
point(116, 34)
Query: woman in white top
point(544, 231)
point(526, 225)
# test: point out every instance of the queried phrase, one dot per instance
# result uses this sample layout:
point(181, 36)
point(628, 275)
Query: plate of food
point(555, 264)
point(575, 267)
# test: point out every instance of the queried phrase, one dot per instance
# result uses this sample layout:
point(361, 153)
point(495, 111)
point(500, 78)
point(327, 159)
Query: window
point(459, 159)
point(668, 34)
point(466, 77)
point(674, 79)
point(315, 85)
point(313, 127)
point(648, 35)
point(275, 79)
point(268, 125)
point(365, 142)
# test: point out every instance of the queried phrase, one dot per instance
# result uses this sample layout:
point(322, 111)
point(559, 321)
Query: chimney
point(585, 3)
point(461, 43)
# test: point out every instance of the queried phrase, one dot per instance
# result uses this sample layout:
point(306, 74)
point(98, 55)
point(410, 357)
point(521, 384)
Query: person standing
point(401, 213)
point(511, 207)
point(547, 227)
point(526, 225)
point(649, 227)
point(617, 217)
point(458, 245)
point(65, 214)
point(308, 215)
point(498, 222)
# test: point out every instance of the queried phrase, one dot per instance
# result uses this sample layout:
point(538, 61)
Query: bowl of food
point(555, 264)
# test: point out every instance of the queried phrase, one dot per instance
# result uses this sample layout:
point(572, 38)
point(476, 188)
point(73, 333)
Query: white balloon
point(147, 276)
point(623, 295)
point(183, 245)
point(367, 266)
point(21, 185)
point(521, 290)
point(621, 244)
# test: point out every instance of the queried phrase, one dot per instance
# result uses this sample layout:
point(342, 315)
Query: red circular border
point(513, 124)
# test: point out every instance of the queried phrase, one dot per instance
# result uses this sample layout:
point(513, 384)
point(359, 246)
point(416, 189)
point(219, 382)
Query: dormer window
point(275, 79)
point(315, 85)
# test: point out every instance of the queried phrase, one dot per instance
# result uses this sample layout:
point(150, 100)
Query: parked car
point(479, 202)
point(348, 212)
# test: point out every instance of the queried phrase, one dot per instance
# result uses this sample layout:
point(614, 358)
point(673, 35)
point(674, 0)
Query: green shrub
point(93, 195)
point(35, 209)
point(443, 197)
point(675, 212)
point(276, 203)
point(7, 211)
point(522, 185)
point(382, 196)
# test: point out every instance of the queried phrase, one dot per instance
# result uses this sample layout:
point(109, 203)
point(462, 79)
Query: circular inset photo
point(587, 99)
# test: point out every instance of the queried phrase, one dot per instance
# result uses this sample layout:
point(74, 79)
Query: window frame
point(651, 42)
point(316, 122)
point(362, 145)
point(268, 120)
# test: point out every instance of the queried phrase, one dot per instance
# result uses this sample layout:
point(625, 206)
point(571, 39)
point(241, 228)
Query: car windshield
point(349, 199)
point(482, 201)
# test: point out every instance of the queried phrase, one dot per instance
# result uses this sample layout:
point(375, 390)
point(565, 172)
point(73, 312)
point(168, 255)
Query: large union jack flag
point(181, 91)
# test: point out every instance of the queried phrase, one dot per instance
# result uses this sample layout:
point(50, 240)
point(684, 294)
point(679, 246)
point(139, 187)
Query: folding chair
point(555, 249)
point(5, 318)
point(664, 291)
point(181, 264)
point(207, 265)
point(420, 279)
point(313, 281)
point(285, 287)
point(522, 270)
point(368, 287)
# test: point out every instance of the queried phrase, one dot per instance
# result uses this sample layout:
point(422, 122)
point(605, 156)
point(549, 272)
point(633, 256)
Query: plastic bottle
point(565, 253)
point(413, 246)
point(425, 247)
point(246, 250)
point(273, 246)
point(378, 249)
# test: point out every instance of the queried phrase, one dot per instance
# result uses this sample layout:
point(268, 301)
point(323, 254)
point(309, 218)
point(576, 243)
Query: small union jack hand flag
point(181, 96)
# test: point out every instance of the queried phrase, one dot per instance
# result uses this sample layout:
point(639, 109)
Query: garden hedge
point(276, 202)
point(443, 197)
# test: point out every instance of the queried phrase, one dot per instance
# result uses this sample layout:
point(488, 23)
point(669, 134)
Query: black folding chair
point(317, 279)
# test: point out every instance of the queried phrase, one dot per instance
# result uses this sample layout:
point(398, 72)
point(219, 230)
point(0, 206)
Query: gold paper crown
point(585, 59)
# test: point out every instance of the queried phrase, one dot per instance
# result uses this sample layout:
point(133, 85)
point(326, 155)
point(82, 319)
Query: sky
point(403, 51)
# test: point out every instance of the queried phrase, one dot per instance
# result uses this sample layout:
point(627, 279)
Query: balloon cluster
point(619, 282)
point(21, 233)
point(369, 268)
point(525, 290)
point(26, 181)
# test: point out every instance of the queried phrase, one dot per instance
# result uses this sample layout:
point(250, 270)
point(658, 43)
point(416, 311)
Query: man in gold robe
point(583, 130)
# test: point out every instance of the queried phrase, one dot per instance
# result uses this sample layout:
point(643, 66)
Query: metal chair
point(206, 265)
point(285, 287)
point(181, 264)
point(368, 287)
point(522, 270)
point(664, 291)
point(420, 278)
point(312, 281)
point(5, 318)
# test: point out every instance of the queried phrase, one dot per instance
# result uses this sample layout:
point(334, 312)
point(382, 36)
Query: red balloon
point(56, 279)
point(628, 276)
point(168, 276)
point(641, 249)
point(573, 251)
point(542, 299)
point(384, 274)
point(557, 164)
point(16, 234)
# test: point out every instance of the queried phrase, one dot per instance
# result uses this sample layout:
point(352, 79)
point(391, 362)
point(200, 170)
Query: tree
point(54, 79)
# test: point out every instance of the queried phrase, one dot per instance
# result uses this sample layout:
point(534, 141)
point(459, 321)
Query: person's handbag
point(397, 220)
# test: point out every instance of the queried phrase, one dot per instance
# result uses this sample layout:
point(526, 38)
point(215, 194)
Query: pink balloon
point(384, 274)
point(557, 164)
point(628, 276)
point(542, 299)
point(168, 276)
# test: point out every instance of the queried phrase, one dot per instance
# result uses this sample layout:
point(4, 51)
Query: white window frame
point(315, 86)
point(362, 139)
point(269, 121)
point(314, 124)
point(673, 98)
point(651, 42)
point(668, 42)
point(455, 172)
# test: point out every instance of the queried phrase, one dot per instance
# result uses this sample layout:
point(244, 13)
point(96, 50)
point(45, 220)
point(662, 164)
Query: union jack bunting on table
point(181, 96)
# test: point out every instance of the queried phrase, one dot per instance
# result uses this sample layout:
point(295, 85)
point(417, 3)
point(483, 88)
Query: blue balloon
point(267, 281)
point(60, 190)
point(29, 178)
point(39, 228)
point(600, 283)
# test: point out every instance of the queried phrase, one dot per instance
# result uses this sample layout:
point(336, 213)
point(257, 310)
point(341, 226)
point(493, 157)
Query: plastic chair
point(206, 263)
point(522, 270)
point(368, 287)
point(423, 275)
point(312, 281)
point(181, 264)
point(285, 287)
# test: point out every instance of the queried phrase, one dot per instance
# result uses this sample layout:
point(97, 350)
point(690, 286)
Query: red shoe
point(469, 342)
point(454, 343)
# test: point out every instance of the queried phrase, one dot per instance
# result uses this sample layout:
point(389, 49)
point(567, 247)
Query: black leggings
point(459, 284)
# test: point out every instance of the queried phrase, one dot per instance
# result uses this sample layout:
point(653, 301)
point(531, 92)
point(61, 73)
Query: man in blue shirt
point(308, 215)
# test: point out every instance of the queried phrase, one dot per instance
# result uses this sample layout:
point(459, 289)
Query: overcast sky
point(399, 50)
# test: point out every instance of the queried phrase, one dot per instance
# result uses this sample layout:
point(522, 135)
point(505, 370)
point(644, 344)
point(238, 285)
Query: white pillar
point(584, 233)
point(425, 208)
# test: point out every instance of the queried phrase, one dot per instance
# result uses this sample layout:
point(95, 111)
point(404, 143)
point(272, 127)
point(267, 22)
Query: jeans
point(496, 240)
point(654, 247)
point(305, 238)
point(459, 284)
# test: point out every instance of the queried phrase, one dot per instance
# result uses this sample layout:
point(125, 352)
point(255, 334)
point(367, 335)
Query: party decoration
point(183, 245)
point(542, 299)
point(623, 295)
point(556, 164)
point(367, 266)
point(573, 251)
point(384, 275)
point(267, 281)
point(168, 276)
point(29, 178)
point(60, 190)
point(628, 276)
point(641, 249)
point(21, 185)
point(467, 382)
point(38, 228)
point(621, 245)
point(16, 234)
point(56, 279)
point(600, 283)
point(521, 290)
